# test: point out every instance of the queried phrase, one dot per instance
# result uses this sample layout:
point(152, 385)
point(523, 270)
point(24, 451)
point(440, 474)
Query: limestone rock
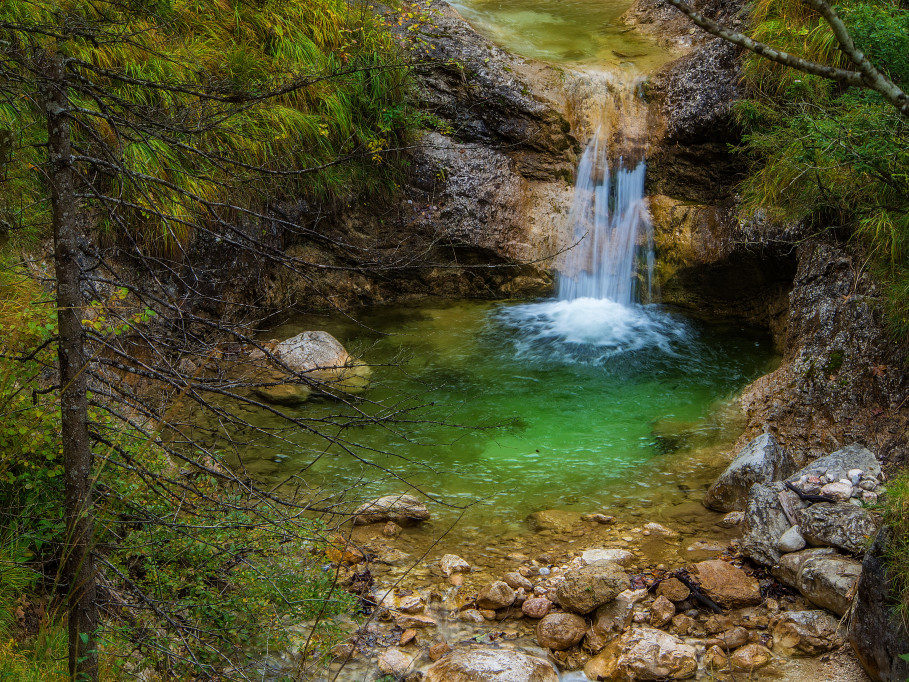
point(828, 581)
point(839, 525)
point(715, 658)
point(877, 635)
point(536, 607)
point(733, 519)
point(838, 464)
point(807, 633)
point(622, 557)
point(791, 541)
point(661, 612)
point(553, 519)
point(559, 631)
point(321, 358)
point(763, 460)
point(393, 661)
point(840, 491)
point(725, 584)
point(765, 522)
point(591, 586)
point(751, 657)
point(673, 589)
point(404, 510)
point(497, 595)
point(649, 654)
point(787, 571)
point(490, 665)
point(451, 564)
point(284, 394)
point(609, 621)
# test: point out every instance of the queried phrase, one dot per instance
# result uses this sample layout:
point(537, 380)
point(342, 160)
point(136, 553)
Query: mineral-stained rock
point(649, 654)
point(609, 621)
point(591, 586)
point(733, 638)
point(763, 460)
point(673, 589)
point(490, 665)
point(733, 519)
point(807, 633)
point(537, 607)
point(765, 522)
point(751, 657)
point(725, 584)
point(715, 658)
point(560, 631)
point(404, 510)
point(877, 634)
point(661, 612)
point(682, 624)
point(406, 620)
point(839, 525)
point(437, 650)
point(497, 595)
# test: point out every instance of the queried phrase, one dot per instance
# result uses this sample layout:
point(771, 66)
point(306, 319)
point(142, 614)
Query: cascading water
point(613, 230)
point(605, 278)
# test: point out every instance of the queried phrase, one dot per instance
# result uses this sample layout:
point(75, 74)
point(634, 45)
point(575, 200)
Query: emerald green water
point(577, 403)
point(573, 32)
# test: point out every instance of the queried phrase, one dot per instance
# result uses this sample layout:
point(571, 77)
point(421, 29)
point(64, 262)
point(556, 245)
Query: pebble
point(544, 571)
point(791, 541)
point(840, 491)
point(854, 476)
point(437, 650)
point(516, 581)
point(391, 530)
point(393, 661)
point(732, 519)
point(869, 497)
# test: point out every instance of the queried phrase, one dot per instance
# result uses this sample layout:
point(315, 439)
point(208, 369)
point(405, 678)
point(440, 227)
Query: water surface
point(525, 406)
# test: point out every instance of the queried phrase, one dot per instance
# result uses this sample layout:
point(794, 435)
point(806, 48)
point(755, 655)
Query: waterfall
point(613, 255)
point(607, 271)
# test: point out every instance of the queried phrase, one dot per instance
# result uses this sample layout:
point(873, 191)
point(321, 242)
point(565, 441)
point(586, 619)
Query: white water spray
point(613, 258)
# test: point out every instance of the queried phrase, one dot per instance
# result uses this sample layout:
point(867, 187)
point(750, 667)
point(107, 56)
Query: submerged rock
point(751, 657)
point(405, 510)
point(497, 595)
point(451, 564)
point(491, 665)
point(553, 519)
point(763, 460)
point(590, 586)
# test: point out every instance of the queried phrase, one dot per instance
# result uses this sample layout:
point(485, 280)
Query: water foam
point(591, 330)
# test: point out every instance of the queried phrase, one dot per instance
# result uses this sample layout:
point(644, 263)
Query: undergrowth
point(831, 156)
point(896, 515)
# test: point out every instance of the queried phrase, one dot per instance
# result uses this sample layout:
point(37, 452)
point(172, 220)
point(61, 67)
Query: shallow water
point(571, 32)
point(581, 404)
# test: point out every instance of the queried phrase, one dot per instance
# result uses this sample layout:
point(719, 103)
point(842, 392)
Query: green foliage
point(227, 575)
point(896, 515)
point(826, 155)
point(347, 119)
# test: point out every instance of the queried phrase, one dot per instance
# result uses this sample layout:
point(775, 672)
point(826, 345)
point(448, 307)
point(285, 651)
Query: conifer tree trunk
point(79, 569)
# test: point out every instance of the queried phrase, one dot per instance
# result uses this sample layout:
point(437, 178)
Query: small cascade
point(607, 272)
point(613, 255)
